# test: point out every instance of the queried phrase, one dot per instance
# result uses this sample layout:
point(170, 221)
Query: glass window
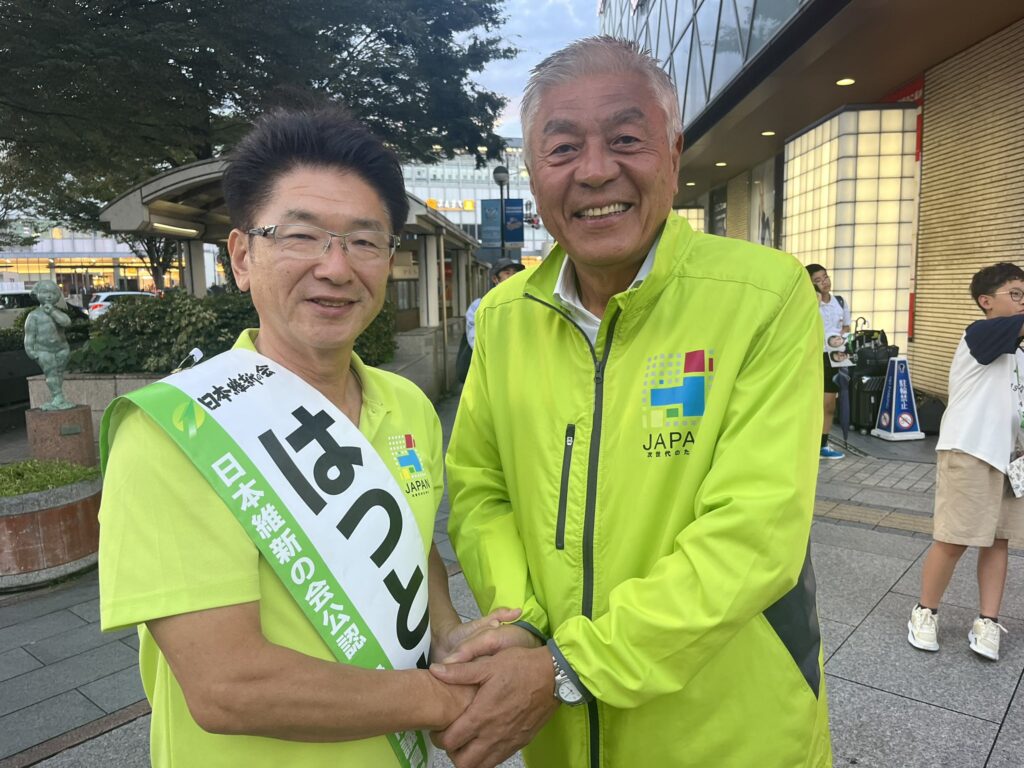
point(696, 98)
point(707, 31)
point(769, 18)
point(728, 52)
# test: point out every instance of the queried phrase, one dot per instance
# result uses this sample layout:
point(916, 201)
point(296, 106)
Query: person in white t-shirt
point(980, 434)
point(836, 317)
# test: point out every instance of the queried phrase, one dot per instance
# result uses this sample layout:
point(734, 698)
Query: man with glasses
point(267, 515)
point(981, 434)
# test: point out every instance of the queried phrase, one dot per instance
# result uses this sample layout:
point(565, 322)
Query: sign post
point(897, 413)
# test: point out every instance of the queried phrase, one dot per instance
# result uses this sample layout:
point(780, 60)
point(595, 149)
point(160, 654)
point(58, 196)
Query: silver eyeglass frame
point(271, 229)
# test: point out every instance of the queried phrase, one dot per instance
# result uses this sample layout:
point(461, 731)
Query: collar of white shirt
point(568, 296)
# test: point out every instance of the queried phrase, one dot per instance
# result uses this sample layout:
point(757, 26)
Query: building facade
point(83, 263)
point(883, 141)
point(457, 188)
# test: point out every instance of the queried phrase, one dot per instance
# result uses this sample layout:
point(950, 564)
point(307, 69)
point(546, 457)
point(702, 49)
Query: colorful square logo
point(676, 386)
point(403, 451)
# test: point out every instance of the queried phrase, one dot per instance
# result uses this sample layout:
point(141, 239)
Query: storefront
point(899, 170)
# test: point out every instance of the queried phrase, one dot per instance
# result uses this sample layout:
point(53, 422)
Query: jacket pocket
point(563, 491)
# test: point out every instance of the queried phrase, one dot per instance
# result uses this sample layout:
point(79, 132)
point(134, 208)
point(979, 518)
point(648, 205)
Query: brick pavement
point(71, 694)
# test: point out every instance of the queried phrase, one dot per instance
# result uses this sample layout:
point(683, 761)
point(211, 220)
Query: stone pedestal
point(63, 435)
point(48, 535)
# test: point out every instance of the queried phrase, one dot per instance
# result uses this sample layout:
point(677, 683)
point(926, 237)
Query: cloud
point(537, 28)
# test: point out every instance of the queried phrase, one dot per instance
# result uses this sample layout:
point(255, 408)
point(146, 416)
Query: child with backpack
point(836, 317)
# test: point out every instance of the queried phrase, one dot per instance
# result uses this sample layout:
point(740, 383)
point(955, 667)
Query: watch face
point(568, 693)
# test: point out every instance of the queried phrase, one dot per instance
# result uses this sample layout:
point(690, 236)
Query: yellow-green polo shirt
point(169, 546)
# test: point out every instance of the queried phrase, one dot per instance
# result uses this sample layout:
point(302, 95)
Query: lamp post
point(501, 179)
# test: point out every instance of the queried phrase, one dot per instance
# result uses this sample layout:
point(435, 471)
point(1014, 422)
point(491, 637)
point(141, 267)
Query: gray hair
point(602, 54)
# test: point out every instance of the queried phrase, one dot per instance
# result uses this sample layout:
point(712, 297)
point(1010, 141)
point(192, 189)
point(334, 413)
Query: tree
point(99, 95)
point(10, 235)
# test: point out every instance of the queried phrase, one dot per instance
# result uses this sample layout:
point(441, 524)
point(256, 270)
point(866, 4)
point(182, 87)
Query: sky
point(537, 28)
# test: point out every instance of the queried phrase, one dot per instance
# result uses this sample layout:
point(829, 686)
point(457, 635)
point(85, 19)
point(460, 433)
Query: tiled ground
point(891, 705)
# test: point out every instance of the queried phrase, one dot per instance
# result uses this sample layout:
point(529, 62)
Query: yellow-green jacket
point(648, 502)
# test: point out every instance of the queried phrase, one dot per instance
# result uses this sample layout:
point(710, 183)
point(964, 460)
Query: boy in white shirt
point(979, 436)
point(836, 317)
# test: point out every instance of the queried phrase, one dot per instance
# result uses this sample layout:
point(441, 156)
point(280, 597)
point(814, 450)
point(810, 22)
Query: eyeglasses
point(1016, 294)
point(304, 241)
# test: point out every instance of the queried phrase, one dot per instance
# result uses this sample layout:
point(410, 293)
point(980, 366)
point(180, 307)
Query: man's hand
point(514, 700)
point(452, 701)
point(489, 640)
point(449, 637)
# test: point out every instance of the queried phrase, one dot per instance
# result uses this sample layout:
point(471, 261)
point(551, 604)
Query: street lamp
point(501, 179)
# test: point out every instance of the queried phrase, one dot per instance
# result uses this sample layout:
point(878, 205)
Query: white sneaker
point(923, 629)
point(984, 638)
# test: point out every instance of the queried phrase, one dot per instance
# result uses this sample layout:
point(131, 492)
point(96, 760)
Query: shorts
point(830, 372)
point(974, 504)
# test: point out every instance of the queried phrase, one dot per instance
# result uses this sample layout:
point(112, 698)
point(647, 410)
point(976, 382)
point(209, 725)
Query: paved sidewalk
point(69, 696)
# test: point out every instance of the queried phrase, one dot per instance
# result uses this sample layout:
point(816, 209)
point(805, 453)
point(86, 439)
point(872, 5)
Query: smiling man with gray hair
point(634, 462)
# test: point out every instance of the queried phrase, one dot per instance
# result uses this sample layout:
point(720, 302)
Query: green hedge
point(13, 338)
point(77, 333)
point(155, 336)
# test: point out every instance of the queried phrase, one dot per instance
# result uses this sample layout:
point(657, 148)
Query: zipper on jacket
point(590, 513)
point(591, 503)
point(563, 491)
point(590, 510)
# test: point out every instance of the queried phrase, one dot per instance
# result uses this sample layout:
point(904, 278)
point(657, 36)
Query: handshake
point(494, 685)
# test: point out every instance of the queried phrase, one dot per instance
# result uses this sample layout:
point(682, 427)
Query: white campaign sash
point(315, 498)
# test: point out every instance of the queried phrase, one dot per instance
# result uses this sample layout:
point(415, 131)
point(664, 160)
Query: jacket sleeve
point(481, 525)
point(747, 545)
point(993, 337)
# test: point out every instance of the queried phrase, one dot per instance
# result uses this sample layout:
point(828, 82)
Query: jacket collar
point(673, 247)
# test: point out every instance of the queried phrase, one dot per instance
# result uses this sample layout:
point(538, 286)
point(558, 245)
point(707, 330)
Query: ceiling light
point(691, 183)
point(720, 165)
point(767, 133)
point(845, 81)
point(169, 229)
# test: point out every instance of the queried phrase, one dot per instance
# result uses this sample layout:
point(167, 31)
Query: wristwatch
point(565, 689)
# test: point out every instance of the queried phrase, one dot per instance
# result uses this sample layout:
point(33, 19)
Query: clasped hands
point(505, 678)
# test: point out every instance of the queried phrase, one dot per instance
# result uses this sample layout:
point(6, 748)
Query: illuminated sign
point(451, 205)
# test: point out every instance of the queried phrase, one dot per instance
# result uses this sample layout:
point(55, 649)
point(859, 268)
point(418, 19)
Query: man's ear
point(985, 302)
point(239, 251)
point(676, 152)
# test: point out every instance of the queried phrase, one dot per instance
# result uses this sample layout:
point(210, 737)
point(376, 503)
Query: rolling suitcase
point(865, 395)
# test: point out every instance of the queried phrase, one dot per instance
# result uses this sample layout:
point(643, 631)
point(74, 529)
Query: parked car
point(99, 303)
point(14, 303)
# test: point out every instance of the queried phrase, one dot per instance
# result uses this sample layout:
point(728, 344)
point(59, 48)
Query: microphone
point(191, 359)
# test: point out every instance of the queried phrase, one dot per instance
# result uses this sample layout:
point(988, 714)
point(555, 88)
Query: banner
point(897, 413)
point(513, 223)
point(762, 203)
point(490, 223)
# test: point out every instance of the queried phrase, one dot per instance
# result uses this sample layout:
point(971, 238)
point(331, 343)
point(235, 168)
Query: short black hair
point(812, 268)
point(325, 137)
point(986, 281)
